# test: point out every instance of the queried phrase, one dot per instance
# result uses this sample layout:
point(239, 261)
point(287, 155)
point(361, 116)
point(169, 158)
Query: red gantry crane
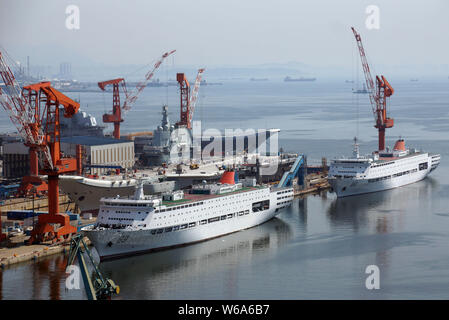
point(116, 116)
point(44, 138)
point(378, 94)
point(188, 101)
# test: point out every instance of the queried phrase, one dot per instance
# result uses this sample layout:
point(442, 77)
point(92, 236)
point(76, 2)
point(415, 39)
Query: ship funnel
point(228, 177)
point(399, 145)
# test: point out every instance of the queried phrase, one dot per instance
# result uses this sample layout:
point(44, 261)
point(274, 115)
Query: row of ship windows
point(128, 212)
point(256, 206)
point(202, 222)
point(285, 191)
point(185, 206)
point(283, 202)
point(180, 207)
point(284, 197)
point(381, 165)
point(394, 176)
point(128, 204)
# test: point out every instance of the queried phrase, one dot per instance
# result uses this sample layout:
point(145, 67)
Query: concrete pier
point(9, 256)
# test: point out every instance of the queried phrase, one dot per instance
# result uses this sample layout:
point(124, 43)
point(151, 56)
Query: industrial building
point(16, 160)
point(101, 151)
point(96, 150)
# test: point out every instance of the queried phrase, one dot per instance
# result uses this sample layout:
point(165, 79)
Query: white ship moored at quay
point(382, 171)
point(138, 224)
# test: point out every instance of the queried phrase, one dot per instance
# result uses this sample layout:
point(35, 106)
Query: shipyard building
point(100, 154)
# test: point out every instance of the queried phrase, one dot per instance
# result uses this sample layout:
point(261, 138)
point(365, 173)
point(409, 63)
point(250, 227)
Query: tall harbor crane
point(44, 138)
point(116, 116)
point(378, 94)
point(188, 101)
point(130, 98)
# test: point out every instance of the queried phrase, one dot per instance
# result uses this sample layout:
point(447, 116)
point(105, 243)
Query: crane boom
point(188, 99)
point(20, 111)
point(130, 99)
point(194, 96)
point(366, 71)
point(378, 94)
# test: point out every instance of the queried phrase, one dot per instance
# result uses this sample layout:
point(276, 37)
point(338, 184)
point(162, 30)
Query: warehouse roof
point(92, 140)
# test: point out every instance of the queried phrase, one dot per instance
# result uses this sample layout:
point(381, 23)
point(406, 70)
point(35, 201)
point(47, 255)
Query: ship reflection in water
point(379, 209)
point(155, 275)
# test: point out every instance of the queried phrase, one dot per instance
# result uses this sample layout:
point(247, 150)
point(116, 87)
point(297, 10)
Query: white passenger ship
point(138, 224)
point(382, 171)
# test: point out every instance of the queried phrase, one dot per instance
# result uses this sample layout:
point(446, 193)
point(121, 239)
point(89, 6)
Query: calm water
point(317, 249)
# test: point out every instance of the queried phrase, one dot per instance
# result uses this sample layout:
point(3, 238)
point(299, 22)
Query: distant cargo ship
point(258, 79)
point(362, 91)
point(289, 79)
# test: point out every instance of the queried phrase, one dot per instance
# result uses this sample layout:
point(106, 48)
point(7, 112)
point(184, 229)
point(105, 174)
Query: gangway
point(292, 173)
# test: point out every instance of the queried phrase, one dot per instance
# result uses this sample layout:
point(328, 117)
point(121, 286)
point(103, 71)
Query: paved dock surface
point(19, 252)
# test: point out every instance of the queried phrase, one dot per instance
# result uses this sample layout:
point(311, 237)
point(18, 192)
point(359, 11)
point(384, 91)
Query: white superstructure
point(139, 224)
point(87, 192)
point(382, 171)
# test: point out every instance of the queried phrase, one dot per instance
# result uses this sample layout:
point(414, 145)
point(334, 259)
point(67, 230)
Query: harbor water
point(320, 247)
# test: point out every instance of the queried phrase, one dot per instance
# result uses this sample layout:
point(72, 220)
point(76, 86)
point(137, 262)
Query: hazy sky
point(231, 32)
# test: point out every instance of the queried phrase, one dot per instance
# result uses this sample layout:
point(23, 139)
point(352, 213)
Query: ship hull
point(126, 243)
point(350, 187)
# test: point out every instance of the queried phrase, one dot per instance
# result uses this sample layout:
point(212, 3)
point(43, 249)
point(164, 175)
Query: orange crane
point(32, 95)
point(46, 228)
point(44, 138)
point(188, 101)
point(116, 116)
point(378, 95)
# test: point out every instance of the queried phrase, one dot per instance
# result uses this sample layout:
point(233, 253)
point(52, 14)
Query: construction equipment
point(98, 288)
point(45, 139)
point(130, 98)
point(288, 176)
point(188, 101)
point(194, 166)
point(54, 225)
point(116, 116)
point(378, 95)
point(35, 95)
point(32, 95)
